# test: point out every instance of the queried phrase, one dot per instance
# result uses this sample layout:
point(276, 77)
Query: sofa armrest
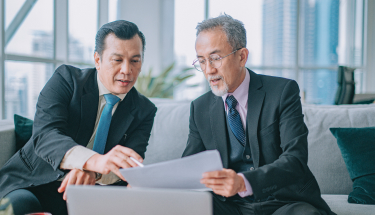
point(7, 141)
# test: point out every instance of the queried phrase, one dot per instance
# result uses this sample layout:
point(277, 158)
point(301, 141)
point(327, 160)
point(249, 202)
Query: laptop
point(82, 200)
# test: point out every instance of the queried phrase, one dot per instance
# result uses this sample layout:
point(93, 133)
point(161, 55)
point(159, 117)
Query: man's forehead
point(210, 42)
point(116, 45)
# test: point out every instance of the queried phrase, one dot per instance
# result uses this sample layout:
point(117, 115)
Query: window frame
point(61, 40)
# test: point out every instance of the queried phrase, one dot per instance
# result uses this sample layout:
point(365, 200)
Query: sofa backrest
point(325, 159)
point(171, 127)
point(7, 141)
point(170, 131)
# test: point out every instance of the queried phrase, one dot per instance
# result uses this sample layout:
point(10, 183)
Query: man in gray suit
point(87, 123)
point(256, 123)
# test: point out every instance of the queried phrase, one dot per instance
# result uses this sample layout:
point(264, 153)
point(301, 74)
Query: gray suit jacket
point(277, 135)
point(65, 117)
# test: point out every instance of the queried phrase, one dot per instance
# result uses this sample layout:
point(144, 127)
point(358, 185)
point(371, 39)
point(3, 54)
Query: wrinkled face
point(120, 63)
point(231, 73)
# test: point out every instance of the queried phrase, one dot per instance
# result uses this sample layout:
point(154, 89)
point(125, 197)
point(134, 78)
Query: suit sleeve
point(51, 119)
point(194, 143)
point(138, 138)
point(291, 166)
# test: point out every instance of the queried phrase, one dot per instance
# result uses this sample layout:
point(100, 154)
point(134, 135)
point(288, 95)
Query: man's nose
point(209, 68)
point(126, 68)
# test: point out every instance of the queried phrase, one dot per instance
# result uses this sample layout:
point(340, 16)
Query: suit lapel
point(254, 107)
point(121, 120)
point(89, 109)
point(218, 128)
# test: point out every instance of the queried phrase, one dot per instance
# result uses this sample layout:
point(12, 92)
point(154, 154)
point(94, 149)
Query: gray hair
point(233, 28)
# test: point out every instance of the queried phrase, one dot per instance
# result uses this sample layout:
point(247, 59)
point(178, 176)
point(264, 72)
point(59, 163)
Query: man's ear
point(97, 60)
point(244, 53)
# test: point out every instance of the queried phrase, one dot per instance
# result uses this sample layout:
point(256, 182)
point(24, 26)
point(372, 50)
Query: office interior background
point(304, 40)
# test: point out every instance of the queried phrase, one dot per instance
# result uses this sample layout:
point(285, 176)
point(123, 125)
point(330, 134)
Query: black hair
point(124, 30)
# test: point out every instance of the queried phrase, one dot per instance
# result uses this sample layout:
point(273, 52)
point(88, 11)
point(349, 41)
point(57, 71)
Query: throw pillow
point(357, 147)
point(23, 128)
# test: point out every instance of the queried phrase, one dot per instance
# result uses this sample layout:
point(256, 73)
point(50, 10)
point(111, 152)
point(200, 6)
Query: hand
point(76, 176)
point(225, 183)
point(118, 157)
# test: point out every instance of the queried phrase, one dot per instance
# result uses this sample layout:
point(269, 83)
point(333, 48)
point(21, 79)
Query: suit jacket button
point(251, 168)
point(247, 156)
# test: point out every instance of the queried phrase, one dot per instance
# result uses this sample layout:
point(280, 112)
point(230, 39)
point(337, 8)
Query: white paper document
point(183, 173)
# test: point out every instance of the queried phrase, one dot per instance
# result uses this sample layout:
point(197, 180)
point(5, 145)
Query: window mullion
point(61, 31)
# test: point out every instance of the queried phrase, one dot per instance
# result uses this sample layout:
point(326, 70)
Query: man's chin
point(122, 90)
point(217, 91)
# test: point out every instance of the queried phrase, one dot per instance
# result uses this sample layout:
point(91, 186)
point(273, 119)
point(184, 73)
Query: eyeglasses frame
point(211, 61)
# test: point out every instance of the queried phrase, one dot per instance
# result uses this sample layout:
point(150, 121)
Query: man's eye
point(213, 58)
point(136, 61)
point(202, 61)
point(117, 60)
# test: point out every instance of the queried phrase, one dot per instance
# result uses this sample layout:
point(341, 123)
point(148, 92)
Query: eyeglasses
point(214, 59)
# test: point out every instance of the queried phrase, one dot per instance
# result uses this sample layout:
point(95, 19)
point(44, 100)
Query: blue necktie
point(104, 123)
point(234, 119)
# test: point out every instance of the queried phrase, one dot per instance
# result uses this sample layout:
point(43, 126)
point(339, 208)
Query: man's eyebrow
point(213, 52)
point(115, 54)
point(120, 55)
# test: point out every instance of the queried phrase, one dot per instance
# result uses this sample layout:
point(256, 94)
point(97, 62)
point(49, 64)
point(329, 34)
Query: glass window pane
point(11, 9)
point(23, 83)
point(285, 73)
point(319, 32)
point(35, 34)
point(184, 46)
point(318, 86)
point(270, 26)
point(251, 14)
point(184, 29)
point(82, 30)
point(350, 48)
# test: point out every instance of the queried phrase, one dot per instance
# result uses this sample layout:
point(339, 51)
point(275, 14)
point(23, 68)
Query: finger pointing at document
point(118, 157)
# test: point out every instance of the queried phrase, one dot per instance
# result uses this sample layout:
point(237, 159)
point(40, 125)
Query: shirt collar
point(241, 93)
point(103, 90)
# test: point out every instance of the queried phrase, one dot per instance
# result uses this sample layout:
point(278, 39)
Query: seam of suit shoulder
point(282, 93)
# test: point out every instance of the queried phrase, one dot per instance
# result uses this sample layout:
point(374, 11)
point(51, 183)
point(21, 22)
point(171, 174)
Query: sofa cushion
point(325, 160)
point(340, 205)
point(170, 131)
point(357, 147)
point(7, 141)
point(23, 128)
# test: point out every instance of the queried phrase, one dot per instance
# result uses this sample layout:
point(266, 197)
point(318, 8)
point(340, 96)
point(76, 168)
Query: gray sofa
point(171, 127)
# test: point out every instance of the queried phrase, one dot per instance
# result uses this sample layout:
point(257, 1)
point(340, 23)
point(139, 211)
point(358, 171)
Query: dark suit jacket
point(65, 117)
point(277, 136)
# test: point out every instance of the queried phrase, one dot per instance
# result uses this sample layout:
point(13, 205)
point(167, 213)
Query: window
point(23, 36)
point(304, 40)
point(184, 46)
point(31, 53)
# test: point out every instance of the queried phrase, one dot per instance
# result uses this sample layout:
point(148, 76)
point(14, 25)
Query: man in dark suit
point(88, 122)
point(256, 123)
